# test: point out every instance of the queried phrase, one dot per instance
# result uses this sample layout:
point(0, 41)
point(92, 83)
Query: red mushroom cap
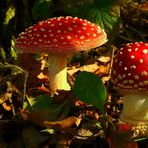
point(61, 35)
point(130, 67)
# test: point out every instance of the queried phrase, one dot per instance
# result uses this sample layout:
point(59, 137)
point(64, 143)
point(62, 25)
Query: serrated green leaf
point(101, 12)
point(90, 89)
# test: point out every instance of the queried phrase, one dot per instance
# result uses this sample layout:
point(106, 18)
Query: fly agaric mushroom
point(130, 78)
point(60, 37)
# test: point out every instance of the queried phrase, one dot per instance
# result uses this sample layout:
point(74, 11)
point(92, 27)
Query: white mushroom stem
point(57, 67)
point(135, 111)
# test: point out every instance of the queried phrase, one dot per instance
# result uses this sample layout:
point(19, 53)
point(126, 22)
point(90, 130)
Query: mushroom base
point(135, 111)
point(57, 67)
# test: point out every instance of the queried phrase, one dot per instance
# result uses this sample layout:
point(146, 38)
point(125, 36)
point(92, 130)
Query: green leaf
point(42, 102)
point(9, 14)
point(2, 54)
point(42, 9)
point(104, 3)
point(141, 139)
point(52, 111)
point(90, 89)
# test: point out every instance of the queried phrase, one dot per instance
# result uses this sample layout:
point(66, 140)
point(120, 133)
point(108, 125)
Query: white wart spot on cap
point(64, 43)
point(114, 72)
point(131, 81)
point(125, 68)
point(140, 60)
point(145, 51)
point(60, 24)
point(29, 31)
point(88, 40)
point(35, 29)
point(94, 35)
point(22, 37)
point(135, 86)
point(35, 43)
point(51, 35)
point(42, 29)
point(145, 82)
point(144, 73)
point(116, 60)
point(129, 74)
point(132, 56)
point(136, 77)
point(68, 37)
point(41, 23)
point(84, 28)
point(123, 75)
point(55, 40)
point(133, 67)
point(58, 31)
point(45, 36)
point(129, 50)
point(120, 77)
point(120, 63)
point(125, 82)
point(70, 29)
point(141, 84)
point(52, 25)
point(37, 35)
point(82, 37)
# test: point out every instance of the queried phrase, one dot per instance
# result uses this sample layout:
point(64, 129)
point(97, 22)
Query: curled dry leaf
point(103, 70)
point(104, 59)
point(42, 76)
point(65, 123)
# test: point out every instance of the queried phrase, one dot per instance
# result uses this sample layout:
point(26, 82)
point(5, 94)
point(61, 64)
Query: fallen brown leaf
point(32, 137)
point(6, 107)
point(40, 117)
point(89, 68)
point(38, 73)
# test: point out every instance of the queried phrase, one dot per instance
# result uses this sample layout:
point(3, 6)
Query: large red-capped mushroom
point(60, 37)
point(130, 78)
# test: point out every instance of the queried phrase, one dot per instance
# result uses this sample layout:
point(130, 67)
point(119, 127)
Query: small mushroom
point(130, 78)
point(60, 37)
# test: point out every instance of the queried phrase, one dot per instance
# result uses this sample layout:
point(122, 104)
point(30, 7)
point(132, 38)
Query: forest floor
point(30, 118)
